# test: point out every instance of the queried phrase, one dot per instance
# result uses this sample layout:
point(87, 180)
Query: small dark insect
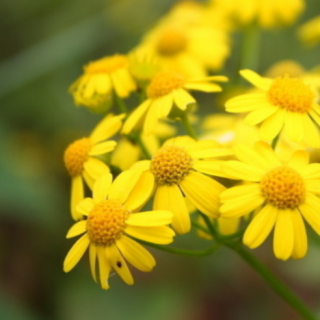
point(119, 264)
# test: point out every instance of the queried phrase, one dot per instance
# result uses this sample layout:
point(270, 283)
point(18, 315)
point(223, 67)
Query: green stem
point(183, 252)
point(210, 226)
point(274, 283)
point(120, 104)
point(187, 125)
point(275, 142)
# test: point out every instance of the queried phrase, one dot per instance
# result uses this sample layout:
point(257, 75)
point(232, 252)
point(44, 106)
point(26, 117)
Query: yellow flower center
point(283, 187)
point(106, 222)
point(106, 65)
point(171, 42)
point(76, 155)
point(164, 83)
point(170, 165)
point(291, 94)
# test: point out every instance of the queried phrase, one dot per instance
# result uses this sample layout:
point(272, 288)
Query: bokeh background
point(44, 45)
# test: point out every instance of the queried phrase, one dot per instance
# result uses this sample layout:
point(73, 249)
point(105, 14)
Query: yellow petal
point(311, 132)
point(311, 171)
point(85, 206)
point(77, 194)
point(245, 103)
point(150, 218)
point(211, 167)
point(101, 187)
point(93, 259)
point(102, 147)
point(263, 111)
point(104, 267)
point(267, 153)
point(95, 168)
point(182, 98)
point(158, 235)
point(256, 79)
point(75, 253)
point(203, 192)
point(271, 127)
point(293, 126)
point(136, 117)
point(151, 121)
point(300, 236)
point(136, 254)
point(141, 191)
point(106, 128)
point(299, 159)
point(179, 141)
point(260, 227)
point(241, 171)
point(77, 228)
point(164, 105)
point(118, 264)
point(203, 86)
point(170, 198)
point(283, 240)
point(310, 211)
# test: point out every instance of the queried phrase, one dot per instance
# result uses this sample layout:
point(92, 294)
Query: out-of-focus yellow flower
point(283, 195)
point(101, 77)
point(268, 14)
point(80, 160)
point(186, 42)
point(229, 130)
point(284, 102)
point(167, 89)
point(309, 32)
point(178, 171)
point(128, 152)
point(108, 230)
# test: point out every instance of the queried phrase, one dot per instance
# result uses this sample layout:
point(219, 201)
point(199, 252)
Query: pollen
point(170, 165)
point(171, 42)
point(76, 155)
point(164, 83)
point(283, 188)
point(106, 65)
point(106, 222)
point(291, 94)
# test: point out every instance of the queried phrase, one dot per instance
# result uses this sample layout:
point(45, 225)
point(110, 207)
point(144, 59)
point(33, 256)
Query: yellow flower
point(284, 102)
point(309, 32)
point(268, 14)
point(94, 88)
point(110, 229)
point(282, 194)
point(80, 161)
point(176, 172)
point(185, 41)
point(167, 88)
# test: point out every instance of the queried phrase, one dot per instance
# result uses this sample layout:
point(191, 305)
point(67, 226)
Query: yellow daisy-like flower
point(80, 162)
point(167, 89)
point(110, 228)
point(99, 80)
point(281, 194)
point(309, 32)
point(268, 14)
point(176, 172)
point(284, 102)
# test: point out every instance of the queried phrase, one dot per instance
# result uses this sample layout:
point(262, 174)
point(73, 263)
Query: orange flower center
point(106, 222)
point(291, 94)
point(170, 165)
point(171, 42)
point(76, 155)
point(106, 65)
point(164, 83)
point(283, 187)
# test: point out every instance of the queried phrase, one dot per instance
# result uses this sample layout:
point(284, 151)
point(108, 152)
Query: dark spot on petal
point(119, 264)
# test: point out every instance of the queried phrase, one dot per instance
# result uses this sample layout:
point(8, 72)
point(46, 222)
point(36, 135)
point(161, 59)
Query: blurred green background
point(44, 45)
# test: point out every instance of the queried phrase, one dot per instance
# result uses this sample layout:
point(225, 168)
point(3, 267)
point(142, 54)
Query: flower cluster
point(236, 178)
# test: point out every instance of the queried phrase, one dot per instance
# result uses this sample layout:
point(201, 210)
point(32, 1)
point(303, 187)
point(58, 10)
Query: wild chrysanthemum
point(284, 102)
point(81, 163)
point(281, 194)
point(100, 79)
point(110, 229)
point(268, 14)
point(176, 172)
point(166, 90)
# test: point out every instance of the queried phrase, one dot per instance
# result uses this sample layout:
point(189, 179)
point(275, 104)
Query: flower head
point(285, 102)
point(80, 161)
point(177, 172)
point(109, 229)
point(167, 89)
point(309, 32)
point(282, 196)
point(94, 88)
